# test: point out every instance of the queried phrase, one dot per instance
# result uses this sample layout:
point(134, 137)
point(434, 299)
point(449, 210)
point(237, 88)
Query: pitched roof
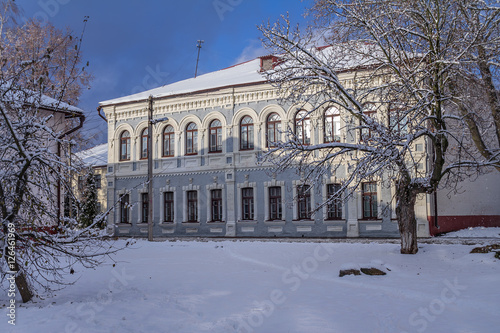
point(244, 73)
point(13, 94)
point(95, 156)
point(344, 56)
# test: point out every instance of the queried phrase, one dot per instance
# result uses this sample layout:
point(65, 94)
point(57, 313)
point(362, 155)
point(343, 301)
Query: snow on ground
point(481, 232)
point(272, 286)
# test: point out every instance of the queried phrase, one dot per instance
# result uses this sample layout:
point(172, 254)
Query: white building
point(206, 178)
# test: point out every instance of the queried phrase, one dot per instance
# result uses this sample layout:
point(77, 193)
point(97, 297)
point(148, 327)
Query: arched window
point(168, 141)
point(273, 129)
point(191, 139)
point(144, 144)
point(303, 127)
point(246, 133)
point(125, 146)
point(215, 137)
point(332, 125)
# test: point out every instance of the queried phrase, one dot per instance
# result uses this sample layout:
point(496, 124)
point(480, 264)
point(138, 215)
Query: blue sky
point(136, 45)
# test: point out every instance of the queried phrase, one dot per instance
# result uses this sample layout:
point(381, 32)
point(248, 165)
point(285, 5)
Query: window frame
point(372, 198)
point(98, 180)
point(335, 119)
point(334, 207)
point(276, 128)
point(247, 204)
point(125, 208)
point(168, 207)
point(125, 143)
point(370, 111)
point(275, 203)
point(304, 124)
point(144, 207)
point(171, 141)
point(192, 206)
point(304, 202)
point(191, 134)
point(247, 131)
point(215, 136)
point(144, 153)
point(216, 205)
point(401, 130)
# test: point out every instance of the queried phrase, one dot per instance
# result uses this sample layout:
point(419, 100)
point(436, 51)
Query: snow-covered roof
point(244, 73)
point(342, 57)
point(49, 102)
point(25, 96)
point(95, 156)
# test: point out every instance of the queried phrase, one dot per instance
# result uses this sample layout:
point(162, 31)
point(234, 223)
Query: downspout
point(82, 119)
point(99, 108)
point(436, 210)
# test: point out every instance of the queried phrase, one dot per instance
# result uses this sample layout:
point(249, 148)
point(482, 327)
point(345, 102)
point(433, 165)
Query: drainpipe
point(436, 210)
point(99, 108)
point(82, 119)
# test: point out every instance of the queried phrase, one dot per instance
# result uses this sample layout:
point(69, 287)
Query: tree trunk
point(22, 283)
point(405, 212)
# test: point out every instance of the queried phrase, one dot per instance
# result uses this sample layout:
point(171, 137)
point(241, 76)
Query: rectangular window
point(168, 206)
point(398, 122)
point(81, 183)
point(275, 211)
point(216, 197)
point(247, 203)
point(192, 208)
point(303, 202)
point(366, 131)
point(124, 209)
point(369, 196)
point(335, 205)
point(145, 207)
point(98, 181)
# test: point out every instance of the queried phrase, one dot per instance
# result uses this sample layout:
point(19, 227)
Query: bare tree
point(38, 248)
point(392, 71)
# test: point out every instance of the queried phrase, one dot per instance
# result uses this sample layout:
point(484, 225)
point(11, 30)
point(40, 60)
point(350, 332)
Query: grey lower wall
point(231, 181)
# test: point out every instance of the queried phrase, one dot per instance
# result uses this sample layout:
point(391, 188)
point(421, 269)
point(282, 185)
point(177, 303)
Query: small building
point(95, 159)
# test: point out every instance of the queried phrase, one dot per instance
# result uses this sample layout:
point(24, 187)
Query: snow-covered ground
point(480, 232)
point(272, 286)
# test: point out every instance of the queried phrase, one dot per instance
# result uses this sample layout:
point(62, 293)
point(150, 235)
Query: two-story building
point(206, 177)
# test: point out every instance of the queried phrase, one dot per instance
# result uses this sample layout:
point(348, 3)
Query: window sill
point(216, 222)
point(370, 220)
point(247, 221)
point(334, 221)
point(123, 224)
point(303, 222)
point(191, 224)
point(275, 222)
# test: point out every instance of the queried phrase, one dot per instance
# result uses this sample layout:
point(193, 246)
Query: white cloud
point(252, 51)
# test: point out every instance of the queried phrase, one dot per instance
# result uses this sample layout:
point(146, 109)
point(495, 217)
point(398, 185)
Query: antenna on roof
point(198, 58)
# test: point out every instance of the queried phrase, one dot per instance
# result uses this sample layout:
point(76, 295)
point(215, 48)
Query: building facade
point(207, 179)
